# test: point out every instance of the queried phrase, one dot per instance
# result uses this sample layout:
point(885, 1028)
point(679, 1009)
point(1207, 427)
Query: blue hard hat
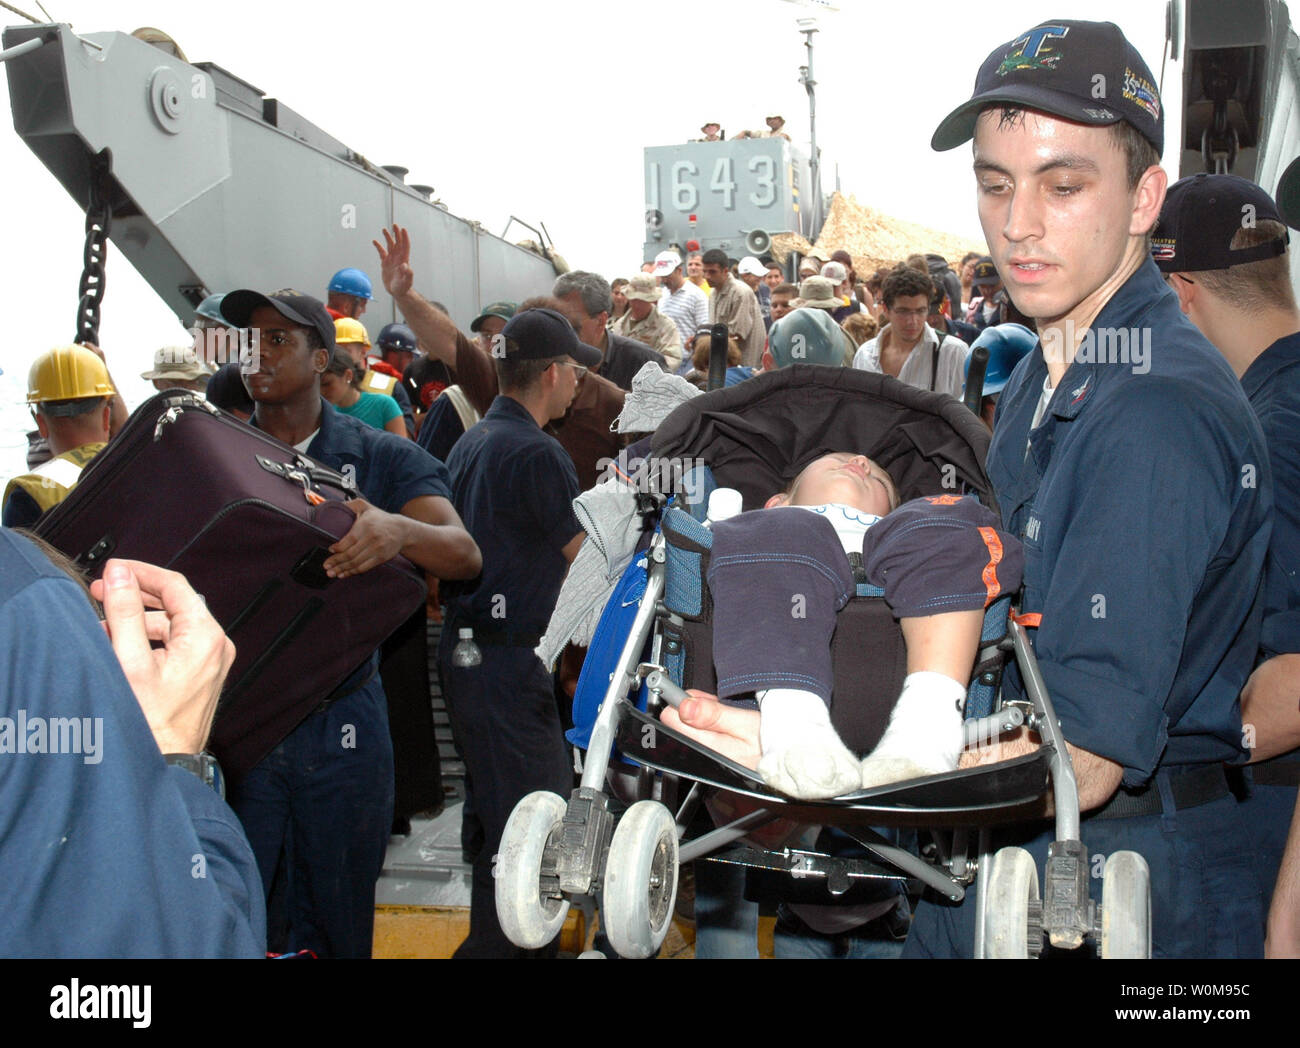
point(210, 307)
point(396, 336)
point(351, 282)
point(1008, 344)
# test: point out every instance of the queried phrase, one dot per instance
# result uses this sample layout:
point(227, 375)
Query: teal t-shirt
point(374, 409)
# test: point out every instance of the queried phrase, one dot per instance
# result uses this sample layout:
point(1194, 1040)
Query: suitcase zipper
point(225, 511)
point(180, 400)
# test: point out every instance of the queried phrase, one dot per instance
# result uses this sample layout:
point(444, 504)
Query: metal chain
point(99, 219)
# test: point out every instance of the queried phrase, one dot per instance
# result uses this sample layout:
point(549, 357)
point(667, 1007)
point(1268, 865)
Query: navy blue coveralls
point(106, 852)
point(323, 798)
point(1272, 383)
point(513, 486)
point(1144, 505)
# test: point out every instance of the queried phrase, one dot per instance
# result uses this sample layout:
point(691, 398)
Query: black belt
point(1197, 785)
point(1280, 771)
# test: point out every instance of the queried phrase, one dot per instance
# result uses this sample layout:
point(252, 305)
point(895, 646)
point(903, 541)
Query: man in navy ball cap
point(1127, 458)
point(514, 486)
point(1223, 247)
point(318, 812)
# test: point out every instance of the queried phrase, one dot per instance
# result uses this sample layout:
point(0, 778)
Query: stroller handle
point(979, 362)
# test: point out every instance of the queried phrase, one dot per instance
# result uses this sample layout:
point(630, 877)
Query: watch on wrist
point(203, 765)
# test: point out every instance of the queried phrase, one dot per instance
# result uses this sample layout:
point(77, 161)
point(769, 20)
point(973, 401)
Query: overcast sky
point(539, 110)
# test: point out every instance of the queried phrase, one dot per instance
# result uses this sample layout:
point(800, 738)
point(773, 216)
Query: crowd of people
point(1155, 481)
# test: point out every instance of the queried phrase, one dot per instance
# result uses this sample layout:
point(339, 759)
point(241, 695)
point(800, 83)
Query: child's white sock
point(803, 755)
point(924, 736)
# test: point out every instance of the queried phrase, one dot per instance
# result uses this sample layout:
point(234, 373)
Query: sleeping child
point(940, 560)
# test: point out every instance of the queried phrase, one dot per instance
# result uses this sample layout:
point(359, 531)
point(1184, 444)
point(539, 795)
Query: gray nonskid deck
point(425, 868)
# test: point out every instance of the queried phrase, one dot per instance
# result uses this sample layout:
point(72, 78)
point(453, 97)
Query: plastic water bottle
point(723, 504)
point(466, 654)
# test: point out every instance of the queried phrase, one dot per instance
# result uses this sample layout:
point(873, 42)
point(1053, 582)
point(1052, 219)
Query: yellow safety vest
point(50, 482)
point(375, 382)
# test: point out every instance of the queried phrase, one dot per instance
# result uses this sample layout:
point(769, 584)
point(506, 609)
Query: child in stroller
point(621, 834)
point(778, 579)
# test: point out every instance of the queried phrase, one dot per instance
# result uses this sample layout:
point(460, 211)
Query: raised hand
point(395, 261)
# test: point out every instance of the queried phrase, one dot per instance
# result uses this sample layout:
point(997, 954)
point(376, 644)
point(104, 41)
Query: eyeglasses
point(578, 369)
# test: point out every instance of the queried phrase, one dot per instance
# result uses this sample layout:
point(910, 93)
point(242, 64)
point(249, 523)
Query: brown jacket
point(583, 431)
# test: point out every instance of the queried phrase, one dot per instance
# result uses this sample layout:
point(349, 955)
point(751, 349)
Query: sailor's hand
point(177, 684)
point(730, 731)
point(395, 261)
point(375, 538)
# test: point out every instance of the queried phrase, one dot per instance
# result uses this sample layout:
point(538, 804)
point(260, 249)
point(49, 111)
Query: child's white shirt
point(850, 524)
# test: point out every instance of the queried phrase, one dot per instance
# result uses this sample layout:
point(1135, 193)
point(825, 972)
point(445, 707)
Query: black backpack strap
point(934, 361)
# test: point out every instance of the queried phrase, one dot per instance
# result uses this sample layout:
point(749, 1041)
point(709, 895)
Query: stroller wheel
point(1126, 907)
point(1010, 894)
point(530, 916)
point(640, 880)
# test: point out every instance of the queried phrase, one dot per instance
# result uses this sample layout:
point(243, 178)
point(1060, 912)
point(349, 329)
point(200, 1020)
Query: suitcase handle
point(303, 471)
point(178, 408)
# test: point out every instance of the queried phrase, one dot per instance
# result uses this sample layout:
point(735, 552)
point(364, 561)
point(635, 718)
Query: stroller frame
point(1010, 920)
point(555, 852)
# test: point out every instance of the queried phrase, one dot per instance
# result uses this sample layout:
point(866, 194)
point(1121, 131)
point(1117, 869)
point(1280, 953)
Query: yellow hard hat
point(348, 330)
point(67, 373)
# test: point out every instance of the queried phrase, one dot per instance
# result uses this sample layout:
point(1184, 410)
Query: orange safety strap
point(992, 587)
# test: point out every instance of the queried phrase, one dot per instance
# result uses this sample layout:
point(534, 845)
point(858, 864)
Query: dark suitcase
point(248, 521)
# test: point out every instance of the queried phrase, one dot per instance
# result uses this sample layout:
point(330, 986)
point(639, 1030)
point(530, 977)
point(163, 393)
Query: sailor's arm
point(434, 329)
point(428, 532)
point(1097, 778)
point(570, 550)
point(1283, 937)
point(117, 413)
point(1270, 707)
point(175, 660)
point(1270, 701)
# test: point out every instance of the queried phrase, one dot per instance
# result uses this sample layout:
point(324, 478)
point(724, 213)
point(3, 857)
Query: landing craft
point(728, 195)
point(159, 144)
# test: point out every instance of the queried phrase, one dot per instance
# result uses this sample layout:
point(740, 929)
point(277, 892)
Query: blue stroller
point(657, 632)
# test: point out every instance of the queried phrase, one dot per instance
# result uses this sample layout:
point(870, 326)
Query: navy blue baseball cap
point(1288, 194)
point(985, 273)
point(294, 306)
point(536, 334)
point(1086, 72)
point(1202, 214)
